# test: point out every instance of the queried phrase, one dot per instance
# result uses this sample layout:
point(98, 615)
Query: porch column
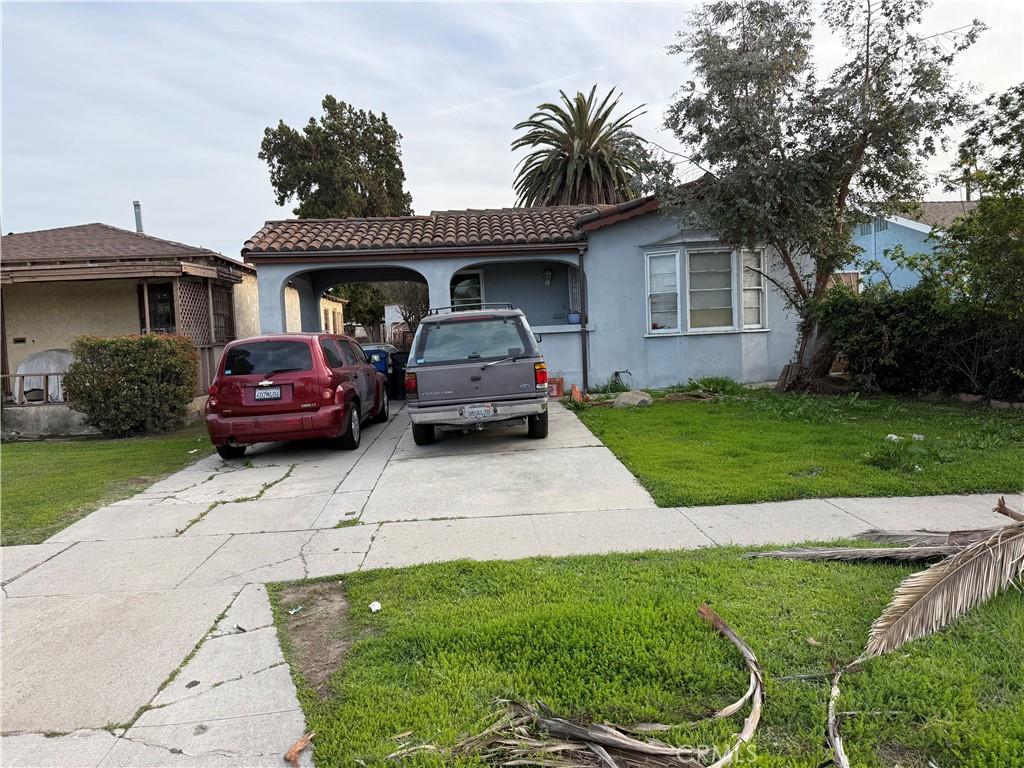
point(439, 279)
point(270, 280)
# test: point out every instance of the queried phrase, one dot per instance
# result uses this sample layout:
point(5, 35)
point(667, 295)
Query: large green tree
point(794, 158)
point(347, 163)
point(581, 153)
point(980, 256)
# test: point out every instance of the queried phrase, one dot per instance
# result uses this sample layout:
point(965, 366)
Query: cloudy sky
point(166, 103)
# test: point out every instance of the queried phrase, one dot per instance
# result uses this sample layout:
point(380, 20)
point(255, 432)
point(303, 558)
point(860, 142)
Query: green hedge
point(917, 341)
point(130, 384)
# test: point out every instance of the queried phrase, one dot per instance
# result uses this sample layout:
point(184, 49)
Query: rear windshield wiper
point(513, 358)
point(279, 370)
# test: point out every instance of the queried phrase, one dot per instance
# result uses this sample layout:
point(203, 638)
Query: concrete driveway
point(143, 632)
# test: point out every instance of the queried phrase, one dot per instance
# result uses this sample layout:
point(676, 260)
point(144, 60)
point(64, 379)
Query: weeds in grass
point(896, 453)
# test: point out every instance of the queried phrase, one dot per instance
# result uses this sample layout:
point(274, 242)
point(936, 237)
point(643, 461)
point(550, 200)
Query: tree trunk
point(814, 359)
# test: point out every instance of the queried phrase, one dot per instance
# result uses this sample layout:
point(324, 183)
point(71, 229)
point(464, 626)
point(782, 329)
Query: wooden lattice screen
point(575, 299)
point(194, 312)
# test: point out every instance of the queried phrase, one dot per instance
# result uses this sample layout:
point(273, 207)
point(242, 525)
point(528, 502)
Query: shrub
point(917, 341)
point(129, 384)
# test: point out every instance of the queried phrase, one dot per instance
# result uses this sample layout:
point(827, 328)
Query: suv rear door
point(268, 376)
point(477, 358)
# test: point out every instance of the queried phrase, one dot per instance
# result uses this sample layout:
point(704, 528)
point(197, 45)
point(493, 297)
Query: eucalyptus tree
point(796, 158)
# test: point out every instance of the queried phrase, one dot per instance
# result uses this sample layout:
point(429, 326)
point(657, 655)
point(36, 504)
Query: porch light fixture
point(548, 274)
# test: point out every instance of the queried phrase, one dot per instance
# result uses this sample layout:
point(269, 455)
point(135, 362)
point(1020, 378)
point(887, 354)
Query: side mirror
point(538, 338)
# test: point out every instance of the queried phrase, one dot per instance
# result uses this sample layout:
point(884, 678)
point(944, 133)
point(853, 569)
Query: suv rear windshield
point(479, 338)
point(268, 357)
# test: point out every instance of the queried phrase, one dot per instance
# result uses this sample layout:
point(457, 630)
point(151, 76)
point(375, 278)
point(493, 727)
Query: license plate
point(479, 411)
point(268, 393)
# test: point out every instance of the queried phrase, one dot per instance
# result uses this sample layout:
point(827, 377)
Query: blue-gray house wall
point(615, 265)
point(878, 245)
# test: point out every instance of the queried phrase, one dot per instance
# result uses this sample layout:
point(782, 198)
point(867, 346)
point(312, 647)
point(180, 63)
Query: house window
point(663, 292)
point(223, 313)
point(710, 289)
point(864, 229)
point(467, 290)
point(753, 289)
point(881, 225)
point(327, 321)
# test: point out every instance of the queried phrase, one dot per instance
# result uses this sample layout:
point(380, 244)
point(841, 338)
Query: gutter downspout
point(585, 320)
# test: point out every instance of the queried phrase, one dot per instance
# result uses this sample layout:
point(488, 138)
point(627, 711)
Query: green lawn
point(49, 485)
point(761, 446)
point(617, 638)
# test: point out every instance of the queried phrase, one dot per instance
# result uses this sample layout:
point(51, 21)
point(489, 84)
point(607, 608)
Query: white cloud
point(167, 103)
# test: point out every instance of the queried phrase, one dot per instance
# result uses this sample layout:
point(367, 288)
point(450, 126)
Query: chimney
point(138, 215)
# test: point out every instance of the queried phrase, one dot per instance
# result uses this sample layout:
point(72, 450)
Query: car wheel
point(350, 440)
point(537, 426)
point(424, 434)
point(384, 413)
point(231, 451)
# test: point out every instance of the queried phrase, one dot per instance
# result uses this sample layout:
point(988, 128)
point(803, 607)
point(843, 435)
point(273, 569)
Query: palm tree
point(581, 155)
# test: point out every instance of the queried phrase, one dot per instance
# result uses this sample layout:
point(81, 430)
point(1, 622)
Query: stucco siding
point(246, 298)
point(523, 286)
point(51, 315)
point(617, 297)
point(292, 310)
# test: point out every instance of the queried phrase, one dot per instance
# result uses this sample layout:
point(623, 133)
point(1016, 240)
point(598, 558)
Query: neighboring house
point(608, 288)
point(96, 279)
point(914, 232)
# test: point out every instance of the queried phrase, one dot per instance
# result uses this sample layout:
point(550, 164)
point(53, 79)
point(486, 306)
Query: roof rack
point(475, 305)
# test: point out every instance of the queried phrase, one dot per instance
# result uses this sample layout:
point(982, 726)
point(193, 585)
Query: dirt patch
point(319, 631)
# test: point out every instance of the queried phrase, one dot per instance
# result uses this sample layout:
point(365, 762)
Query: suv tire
point(537, 426)
point(231, 451)
point(385, 407)
point(424, 434)
point(353, 430)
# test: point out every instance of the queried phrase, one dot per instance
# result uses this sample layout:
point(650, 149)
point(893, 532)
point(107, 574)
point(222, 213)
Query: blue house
point(615, 289)
point(914, 232)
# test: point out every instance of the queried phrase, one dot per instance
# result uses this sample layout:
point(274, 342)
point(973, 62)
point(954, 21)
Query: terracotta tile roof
point(941, 213)
point(440, 229)
point(96, 243)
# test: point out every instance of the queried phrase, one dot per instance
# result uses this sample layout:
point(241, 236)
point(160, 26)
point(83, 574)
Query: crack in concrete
point(695, 525)
point(41, 562)
point(369, 546)
point(213, 687)
point(848, 512)
point(213, 505)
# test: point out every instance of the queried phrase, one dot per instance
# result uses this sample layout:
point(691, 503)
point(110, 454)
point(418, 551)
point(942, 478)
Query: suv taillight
point(211, 402)
point(540, 375)
point(411, 388)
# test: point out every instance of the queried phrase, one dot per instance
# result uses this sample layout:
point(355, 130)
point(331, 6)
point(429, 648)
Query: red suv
point(293, 386)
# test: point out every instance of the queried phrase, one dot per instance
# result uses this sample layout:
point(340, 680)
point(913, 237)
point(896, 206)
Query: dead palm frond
point(926, 538)
point(532, 735)
point(832, 732)
point(927, 601)
point(852, 554)
point(1002, 509)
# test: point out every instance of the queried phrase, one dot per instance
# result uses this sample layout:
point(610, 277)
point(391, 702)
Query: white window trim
point(763, 325)
point(678, 330)
point(479, 272)
point(732, 290)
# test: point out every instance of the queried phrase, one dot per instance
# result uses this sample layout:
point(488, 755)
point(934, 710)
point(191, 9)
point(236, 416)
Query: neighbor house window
point(881, 225)
point(223, 313)
point(467, 290)
point(159, 297)
point(753, 289)
point(663, 292)
point(710, 289)
point(327, 321)
point(864, 229)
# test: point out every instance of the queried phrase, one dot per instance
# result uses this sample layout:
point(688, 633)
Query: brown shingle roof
point(941, 213)
point(96, 243)
point(441, 229)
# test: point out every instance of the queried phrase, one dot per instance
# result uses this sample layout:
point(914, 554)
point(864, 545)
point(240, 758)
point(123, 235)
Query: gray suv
point(473, 369)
